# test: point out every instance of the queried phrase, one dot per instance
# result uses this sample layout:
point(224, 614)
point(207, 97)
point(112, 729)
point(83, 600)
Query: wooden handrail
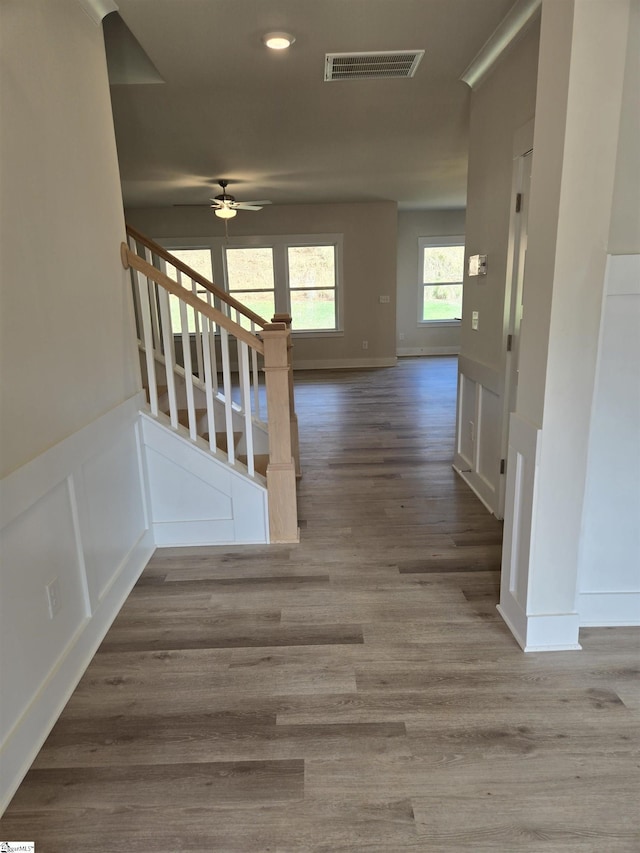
point(131, 259)
point(200, 279)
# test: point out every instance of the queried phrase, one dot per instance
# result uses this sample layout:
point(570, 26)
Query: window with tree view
point(312, 286)
point(298, 275)
point(250, 279)
point(285, 275)
point(442, 273)
point(200, 261)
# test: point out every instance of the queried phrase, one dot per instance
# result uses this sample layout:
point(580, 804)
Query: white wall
point(369, 269)
point(73, 502)
point(609, 579)
point(609, 573)
point(413, 338)
point(500, 107)
point(502, 104)
point(581, 74)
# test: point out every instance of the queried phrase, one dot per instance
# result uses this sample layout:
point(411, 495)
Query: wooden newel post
point(295, 440)
point(281, 471)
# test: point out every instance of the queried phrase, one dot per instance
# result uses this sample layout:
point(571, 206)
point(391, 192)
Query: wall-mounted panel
point(489, 437)
point(465, 442)
point(74, 517)
point(478, 430)
point(518, 526)
point(197, 499)
point(39, 547)
point(609, 574)
point(114, 526)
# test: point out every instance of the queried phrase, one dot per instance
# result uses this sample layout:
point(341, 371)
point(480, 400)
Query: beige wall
point(369, 269)
point(66, 348)
point(413, 224)
point(504, 102)
point(624, 235)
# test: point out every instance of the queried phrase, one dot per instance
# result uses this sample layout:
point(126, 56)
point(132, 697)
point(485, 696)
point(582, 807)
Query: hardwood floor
point(356, 692)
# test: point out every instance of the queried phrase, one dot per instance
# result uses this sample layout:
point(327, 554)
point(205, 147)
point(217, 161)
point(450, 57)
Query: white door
point(522, 185)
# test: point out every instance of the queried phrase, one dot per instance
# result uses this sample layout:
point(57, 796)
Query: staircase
point(219, 429)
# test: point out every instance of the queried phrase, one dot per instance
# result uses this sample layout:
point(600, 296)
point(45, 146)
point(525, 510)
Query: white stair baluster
point(208, 386)
point(147, 337)
point(153, 304)
point(245, 395)
point(255, 377)
point(212, 347)
point(188, 371)
point(197, 334)
point(227, 389)
point(169, 354)
point(137, 308)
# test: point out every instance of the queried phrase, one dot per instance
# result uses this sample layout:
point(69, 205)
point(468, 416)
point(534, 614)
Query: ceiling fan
point(226, 207)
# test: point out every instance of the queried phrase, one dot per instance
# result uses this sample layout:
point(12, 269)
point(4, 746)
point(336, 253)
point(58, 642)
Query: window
point(312, 286)
point(200, 261)
point(251, 280)
point(287, 275)
point(297, 275)
point(441, 272)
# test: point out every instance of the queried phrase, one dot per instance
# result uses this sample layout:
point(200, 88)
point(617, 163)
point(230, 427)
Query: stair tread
point(221, 439)
point(260, 461)
point(183, 416)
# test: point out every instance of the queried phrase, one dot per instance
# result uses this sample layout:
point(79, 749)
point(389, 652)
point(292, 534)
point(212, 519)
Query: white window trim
point(429, 243)
point(279, 244)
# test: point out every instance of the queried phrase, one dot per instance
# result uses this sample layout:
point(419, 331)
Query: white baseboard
point(76, 515)
point(479, 486)
point(404, 352)
point(555, 632)
point(338, 363)
point(609, 609)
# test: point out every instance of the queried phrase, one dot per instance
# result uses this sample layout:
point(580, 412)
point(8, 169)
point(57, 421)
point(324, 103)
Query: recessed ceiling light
point(278, 41)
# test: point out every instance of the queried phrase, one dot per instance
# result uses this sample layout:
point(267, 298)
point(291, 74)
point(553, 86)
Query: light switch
point(474, 319)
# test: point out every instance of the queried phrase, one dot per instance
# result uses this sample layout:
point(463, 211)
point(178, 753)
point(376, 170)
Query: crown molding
point(505, 34)
point(97, 9)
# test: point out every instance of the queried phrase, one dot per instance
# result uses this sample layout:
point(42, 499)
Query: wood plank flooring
point(356, 692)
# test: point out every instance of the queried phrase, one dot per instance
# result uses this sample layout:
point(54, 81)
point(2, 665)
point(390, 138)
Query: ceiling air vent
point(366, 66)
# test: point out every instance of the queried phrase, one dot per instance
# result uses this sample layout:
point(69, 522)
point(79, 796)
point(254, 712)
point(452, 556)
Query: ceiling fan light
point(278, 41)
point(225, 212)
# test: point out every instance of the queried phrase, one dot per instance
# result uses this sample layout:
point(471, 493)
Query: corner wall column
point(580, 81)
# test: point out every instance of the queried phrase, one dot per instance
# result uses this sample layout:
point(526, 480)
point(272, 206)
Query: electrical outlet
point(365, 344)
point(384, 300)
point(475, 316)
point(53, 597)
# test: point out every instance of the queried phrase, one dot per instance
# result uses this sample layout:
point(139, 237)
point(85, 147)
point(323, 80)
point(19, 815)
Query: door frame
point(522, 147)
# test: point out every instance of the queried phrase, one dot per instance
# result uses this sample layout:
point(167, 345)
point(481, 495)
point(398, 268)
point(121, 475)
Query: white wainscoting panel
point(197, 499)
point(465, 438)
point(38, 547)
point(534, 632)
point(114, 526)
point(609, 574)
point(75, 515)
point(479, 429)
point(488, 463)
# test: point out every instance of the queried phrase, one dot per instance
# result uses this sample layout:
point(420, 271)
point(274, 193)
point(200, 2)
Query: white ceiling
point(265, 120)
